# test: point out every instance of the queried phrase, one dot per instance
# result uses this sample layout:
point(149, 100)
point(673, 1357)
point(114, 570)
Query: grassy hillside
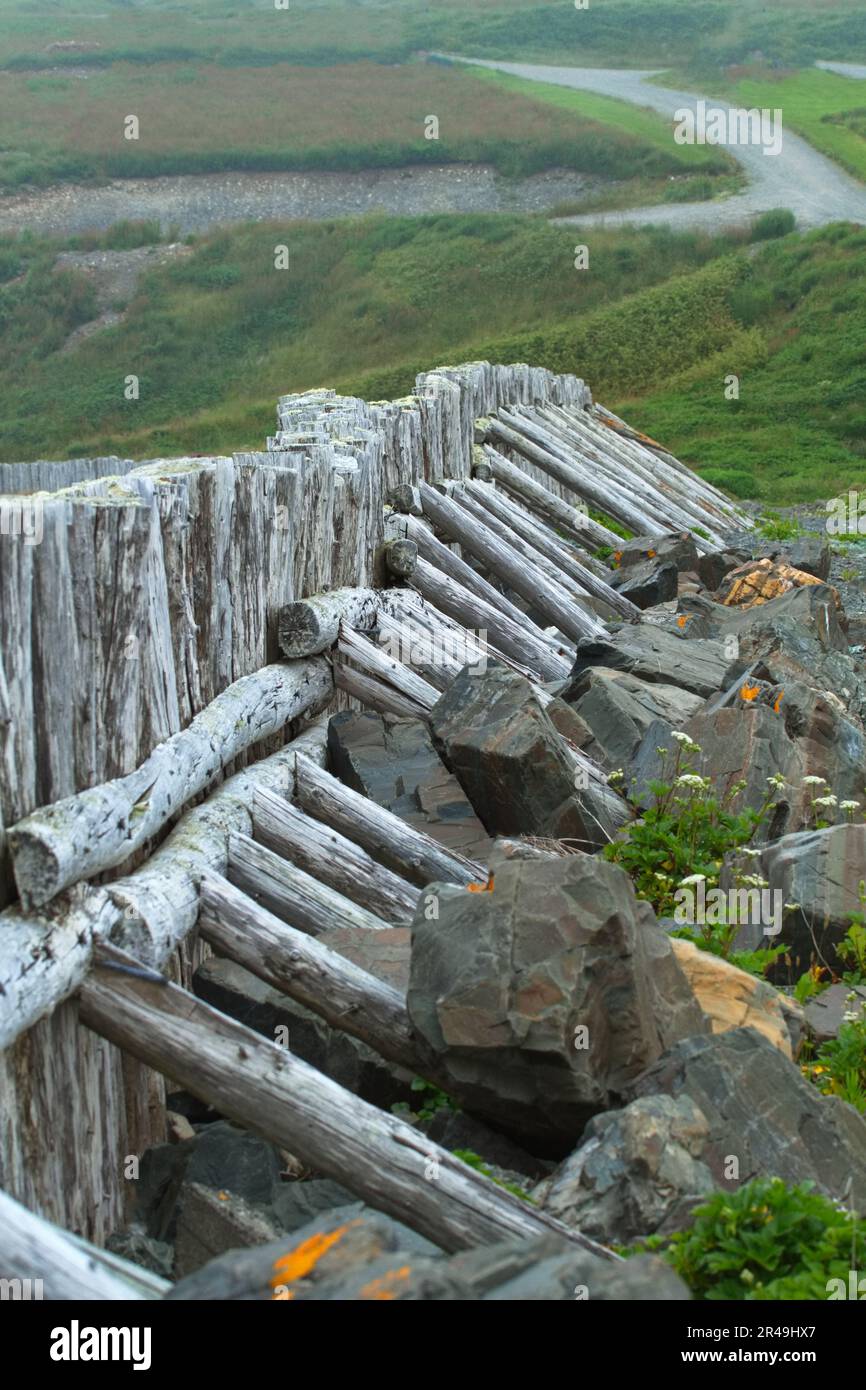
point(639, 32)
point(197, 118)
point(655, 325)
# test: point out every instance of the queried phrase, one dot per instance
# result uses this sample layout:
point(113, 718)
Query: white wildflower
point(691, 779)
point(814, 781)
point(849, 805)
point(824, 801)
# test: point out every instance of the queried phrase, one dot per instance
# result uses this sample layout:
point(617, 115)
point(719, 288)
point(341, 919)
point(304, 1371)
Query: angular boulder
point(517, 769)
point(762, 1113)
point(656, 655)
point(817, 874)
point(638, 1171)
point(646, 584)
point(545, 997)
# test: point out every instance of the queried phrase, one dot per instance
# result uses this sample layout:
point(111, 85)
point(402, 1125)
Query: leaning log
point(51, 1264)
point(376, 663)
point(403, 848)
point(312, 625)
point(84, 835)
point(435, 553)
point(376, 694)
point(517, 640)
point(45, 955)
point(291, 894)
point(539, 499)
point(305, 968)
point(554, 553)
point(266, 1089)
point(502, 560)
point(332, 858)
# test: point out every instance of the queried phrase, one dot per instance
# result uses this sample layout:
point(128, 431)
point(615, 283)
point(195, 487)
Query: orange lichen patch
point(223, 1196)
point(651, 554)
point(481, 887)
point(616, 557)
point(683, 619)
point(749, 692)
point(778, 701)
point(384, 1287)
point(759, 581)
point(297, 1263)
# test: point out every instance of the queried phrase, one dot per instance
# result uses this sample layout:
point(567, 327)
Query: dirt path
point(195, 203)
point(815, 189)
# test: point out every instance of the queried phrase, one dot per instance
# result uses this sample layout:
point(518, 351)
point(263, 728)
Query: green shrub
point(766, 1241)
point(735, 481)
point(776, 222)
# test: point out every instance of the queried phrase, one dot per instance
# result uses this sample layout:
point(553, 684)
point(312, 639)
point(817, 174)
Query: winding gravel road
point(815, 189)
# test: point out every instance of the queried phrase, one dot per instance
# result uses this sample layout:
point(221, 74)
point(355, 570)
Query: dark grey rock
point(135, 1245)
point(811, 554)
point(648, 583)
point(543, 998)
point(818, 875)
point(654, 654)
point(638, 1171)
point(619, 709)
point(515, 765)
point(825, 1012)
point(343, 1268)
point(671, 547)
point(394, 763)
point(762, 1112)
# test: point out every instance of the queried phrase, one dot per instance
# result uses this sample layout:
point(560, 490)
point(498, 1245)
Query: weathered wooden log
point(265, 1088)
point(416, 647)
point(454, 646)
point(610, 500)
point(404, 849)
point(435, 553)
point(309, 971)
point(636, 469)
point(40, 1261)
point(44, 956)
point(517, 640)
point(501, 559)
point(579, 525)
point(404, 498)
point(313, 624)
point(376, 663)
point(376, 694)
point(556, 555)
point(86, 834)
point(331, 858)
point(291, 894)
point(401, 556)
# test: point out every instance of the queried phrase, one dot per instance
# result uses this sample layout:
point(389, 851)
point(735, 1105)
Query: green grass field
point(826, 109)
point(656, 326)
point(201, 118)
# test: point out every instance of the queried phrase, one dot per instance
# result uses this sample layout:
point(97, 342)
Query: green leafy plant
point(475, 1161)
point(765, 1241)
point(839, 1066)
point(433, 1100)
point(774, 527)
point(682, 839)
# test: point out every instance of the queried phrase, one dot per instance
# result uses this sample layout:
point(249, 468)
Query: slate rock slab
point(638, 1171)
point(515, 765)
point(546, 996)
point(762, 1112)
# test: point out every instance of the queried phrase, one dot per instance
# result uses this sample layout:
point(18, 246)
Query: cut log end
point(38, 872)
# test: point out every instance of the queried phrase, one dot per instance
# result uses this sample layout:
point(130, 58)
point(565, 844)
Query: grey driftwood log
point(98, 829)
point(45, 955)
point(312, 625)
point(577, 524)
point(332, 858)
point(65, 1267)
point(265, 1088)
point(503, 560)
point(402, 847)
point(292, 894)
